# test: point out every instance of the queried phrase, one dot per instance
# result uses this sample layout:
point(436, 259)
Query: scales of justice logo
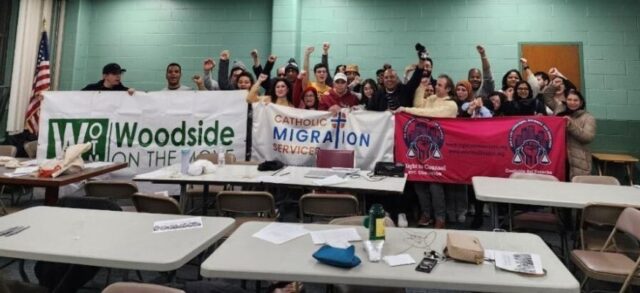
point(530, 141)
point(424, 139)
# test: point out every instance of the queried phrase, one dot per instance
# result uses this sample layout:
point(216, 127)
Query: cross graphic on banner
point(338, 123)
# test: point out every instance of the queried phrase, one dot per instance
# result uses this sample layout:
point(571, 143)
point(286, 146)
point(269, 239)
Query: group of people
point(522, 93)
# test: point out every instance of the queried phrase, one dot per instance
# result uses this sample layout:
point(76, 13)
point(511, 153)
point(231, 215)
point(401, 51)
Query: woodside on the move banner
point(147, 130)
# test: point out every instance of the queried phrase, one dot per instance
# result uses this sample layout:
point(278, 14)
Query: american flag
point(41, 82)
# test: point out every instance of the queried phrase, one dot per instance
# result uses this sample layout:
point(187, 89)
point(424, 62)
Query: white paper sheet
point(278, 233)
point(399, 260)
point(335, 235)
point(521, 262)
point(176, 225)
point(331, 180)
point(97, 164)
point(11, 175)
point(25, 170)
point(29, 163)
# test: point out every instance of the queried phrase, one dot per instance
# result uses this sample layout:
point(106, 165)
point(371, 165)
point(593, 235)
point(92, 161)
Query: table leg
point(630, 173)
point(205, 194)
point(51, 195)
point(183, 196)
point(510, 215)
point(494, 215)
point(599, 165)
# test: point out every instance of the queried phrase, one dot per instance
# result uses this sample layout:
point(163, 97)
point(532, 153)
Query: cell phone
point(426, 265)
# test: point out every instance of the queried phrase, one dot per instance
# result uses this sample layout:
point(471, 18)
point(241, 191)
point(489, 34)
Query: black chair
point(61, 277)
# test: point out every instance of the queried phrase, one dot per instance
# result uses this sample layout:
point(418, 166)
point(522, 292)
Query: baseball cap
point(112, 68)
point(340, 75)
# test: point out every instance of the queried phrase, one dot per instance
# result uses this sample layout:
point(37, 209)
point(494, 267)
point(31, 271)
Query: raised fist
point(208, 64)
point(225, 55)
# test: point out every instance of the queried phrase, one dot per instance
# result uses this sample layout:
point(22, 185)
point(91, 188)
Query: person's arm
point(485, 113)
point(223, 70)
point(488, 84)
point(356, 82)
point(269, 66)
point(257, 67)
point(443, 110)
point(305, 63)
point(418, 97)
point(528, 75)
point(583, 133)
point(297, 89)
point(252, 96)
point(209, 83)
point(549, 92)
point(199, 83)
point(414, 82)
point(325, 61)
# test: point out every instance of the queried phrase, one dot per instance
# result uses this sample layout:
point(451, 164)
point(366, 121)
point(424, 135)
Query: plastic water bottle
point(221, 159)
point(184, 160)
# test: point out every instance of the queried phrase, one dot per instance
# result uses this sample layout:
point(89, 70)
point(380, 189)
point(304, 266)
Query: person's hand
point(225, 55)
point(309, 50)
point(400, 110)
point(39, 96)
point(553, 72)
point(481, 51)
point(272, 58)
point(334, 109)
point(197, 79)
point(208, 64)
point(411, 67)
point(509, 93)
point(302, 74)
point(355, 82)
point(479, 102)
point(524, 63)
point(325, 47)
point(254, 54)
point(131, 91)
point(262, 77)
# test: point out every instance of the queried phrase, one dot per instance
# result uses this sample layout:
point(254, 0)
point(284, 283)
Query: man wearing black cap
point(110, 81)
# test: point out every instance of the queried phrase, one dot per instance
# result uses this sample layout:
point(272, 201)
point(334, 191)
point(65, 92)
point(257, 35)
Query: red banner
point(454, 150)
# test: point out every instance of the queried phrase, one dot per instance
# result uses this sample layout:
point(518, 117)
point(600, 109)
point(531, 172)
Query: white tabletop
point(249, 174)
point(111, 239)
point(245, 257)
point(552, 193)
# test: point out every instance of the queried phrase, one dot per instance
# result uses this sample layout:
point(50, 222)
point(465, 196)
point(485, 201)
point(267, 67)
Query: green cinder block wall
point(145, 35)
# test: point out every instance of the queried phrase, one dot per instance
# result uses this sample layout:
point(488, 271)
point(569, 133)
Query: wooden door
point(567, 57)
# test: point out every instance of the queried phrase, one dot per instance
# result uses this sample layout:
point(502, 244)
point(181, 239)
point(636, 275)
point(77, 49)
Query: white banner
point(293, 135)
point(146, 130)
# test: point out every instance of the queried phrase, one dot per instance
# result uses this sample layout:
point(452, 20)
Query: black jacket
point(402, 95)
point(99, 86)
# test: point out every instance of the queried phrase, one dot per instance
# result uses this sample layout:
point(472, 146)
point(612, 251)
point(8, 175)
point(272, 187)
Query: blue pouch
point(337, 257)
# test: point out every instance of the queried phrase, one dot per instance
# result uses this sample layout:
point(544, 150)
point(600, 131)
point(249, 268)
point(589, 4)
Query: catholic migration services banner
point(293, 136)
point(147, 130)
point(454, 150)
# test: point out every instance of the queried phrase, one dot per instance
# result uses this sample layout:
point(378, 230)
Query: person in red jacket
point(339, 96)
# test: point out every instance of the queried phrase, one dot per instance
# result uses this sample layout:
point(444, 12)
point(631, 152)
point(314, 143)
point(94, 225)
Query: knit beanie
point(291, 64)
point(237, 64)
